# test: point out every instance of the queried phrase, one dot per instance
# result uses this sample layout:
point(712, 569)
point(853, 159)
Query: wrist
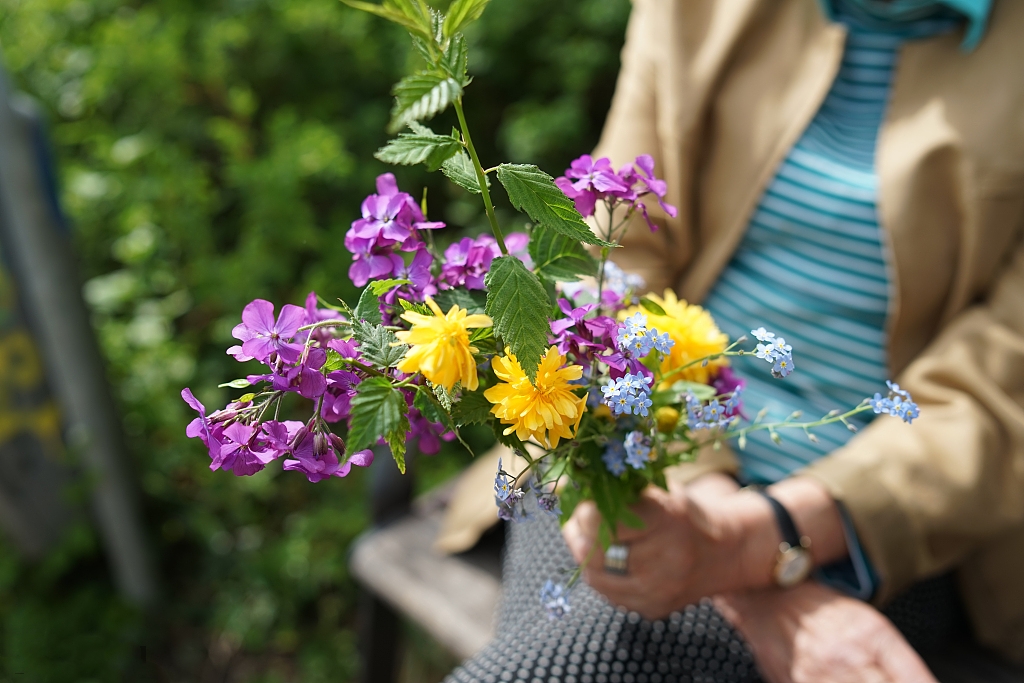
point(756, 529)
point(758, 539)
point(815, 514)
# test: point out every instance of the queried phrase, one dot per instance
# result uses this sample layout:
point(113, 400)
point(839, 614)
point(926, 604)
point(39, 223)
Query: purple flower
point(427, 435)
point(370, 261)
point(317, 457)
point(262, 336)
point(200, 426)
point(727, 382)
point(315, 315)
point(591, 181)
point(341, 389)
point(391, 217)
point(306, 377)
point(587, 182)
point(418, 274)
point(243, 452)
point(644, 166)
point(467, 261)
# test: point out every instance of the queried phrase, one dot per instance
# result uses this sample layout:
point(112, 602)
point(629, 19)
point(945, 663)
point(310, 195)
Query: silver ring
point(616, 559)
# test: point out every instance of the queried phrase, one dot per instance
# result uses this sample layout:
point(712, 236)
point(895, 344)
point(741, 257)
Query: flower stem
point(481, 178)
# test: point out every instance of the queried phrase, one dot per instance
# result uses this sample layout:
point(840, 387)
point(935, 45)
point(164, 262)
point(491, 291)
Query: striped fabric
point(812, 266)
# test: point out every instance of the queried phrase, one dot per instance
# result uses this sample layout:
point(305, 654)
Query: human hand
point(688, 547)
point(812, 634)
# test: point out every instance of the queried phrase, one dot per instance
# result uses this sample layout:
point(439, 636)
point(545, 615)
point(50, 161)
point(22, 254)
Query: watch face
point(793, 567)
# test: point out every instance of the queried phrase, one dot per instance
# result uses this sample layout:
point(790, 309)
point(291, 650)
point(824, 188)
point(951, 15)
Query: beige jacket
point(719, 91)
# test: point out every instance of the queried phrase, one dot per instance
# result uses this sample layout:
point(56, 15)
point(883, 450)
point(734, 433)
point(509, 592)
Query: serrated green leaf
point(410, 149)
point(368, 308)
point(235, 384)
point(474, 301)
point(517, 303)
point(429, 406)
point(558, 257)
point(455, 60)
point(461, 13)
point(379, 287)
point(534, 191)
point(375, 345)
point(378, 410)
point(473, 408)
point(652, 306)
point(413, 15)
point(396, 440)
point(414, 307)
point(334, 361)
point(460, 171)
point(422, 96)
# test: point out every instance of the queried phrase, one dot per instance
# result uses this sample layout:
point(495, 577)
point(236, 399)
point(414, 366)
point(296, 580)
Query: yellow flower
point(546, 411)
point(695, 335)
point(439, 346)
point(666, 418)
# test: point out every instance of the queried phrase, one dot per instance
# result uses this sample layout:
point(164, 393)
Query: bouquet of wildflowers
point(538, 335)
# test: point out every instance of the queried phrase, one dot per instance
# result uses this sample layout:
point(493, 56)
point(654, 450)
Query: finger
point(901, 663)
point(577, 539)
point(651, 511)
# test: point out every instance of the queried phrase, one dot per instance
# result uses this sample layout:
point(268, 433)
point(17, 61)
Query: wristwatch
point(793, 564)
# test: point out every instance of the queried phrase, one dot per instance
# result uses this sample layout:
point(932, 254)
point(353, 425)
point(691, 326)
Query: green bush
point(211, 152)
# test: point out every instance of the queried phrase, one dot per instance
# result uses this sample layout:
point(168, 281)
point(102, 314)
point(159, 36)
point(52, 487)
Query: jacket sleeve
point(631, 129)
point(924, 496)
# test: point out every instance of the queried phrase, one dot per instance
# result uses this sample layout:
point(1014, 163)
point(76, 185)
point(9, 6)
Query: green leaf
point(378, 410)
point(415, 307)
point(334, 361)
point(474, 301)
point(379, 287)
point(235, 384)
point(414, 15)
point(558, 257)
point(456, 59)
point(375, 345)
point(461, 13)
point(368, 308)
point(652, 306)
point(534, 191)
point(472, 409)
point(421, 96)
point(396, 441)
point(427, 404)
point(460, 171)
point(517, 303)
point(410, 149)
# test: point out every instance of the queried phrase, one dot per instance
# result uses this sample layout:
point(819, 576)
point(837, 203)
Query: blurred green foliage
point(211, 152)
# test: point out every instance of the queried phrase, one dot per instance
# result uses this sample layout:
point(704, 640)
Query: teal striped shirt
point(812, 266)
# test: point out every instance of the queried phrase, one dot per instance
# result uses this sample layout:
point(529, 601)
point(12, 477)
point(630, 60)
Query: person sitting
point(851, 174)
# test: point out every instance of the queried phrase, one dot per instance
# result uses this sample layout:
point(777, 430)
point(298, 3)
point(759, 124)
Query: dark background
point(211, 152)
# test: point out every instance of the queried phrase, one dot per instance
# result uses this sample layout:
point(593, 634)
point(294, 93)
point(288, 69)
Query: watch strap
point(787, 527)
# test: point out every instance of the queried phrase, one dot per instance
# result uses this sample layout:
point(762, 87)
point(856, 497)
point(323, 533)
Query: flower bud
point(319, 445)
point(299, 437)
point(667, 418)
point(338, 444)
